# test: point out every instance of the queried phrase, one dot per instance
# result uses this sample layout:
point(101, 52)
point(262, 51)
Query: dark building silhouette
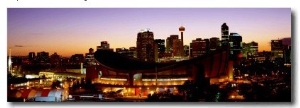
point(264, 55)
point(276, 49)
point(235, 41)
point(160, 47)
point(225, 35)
point(125, 52)
point(89, 57)
point(177, 48)
point(199, 47)
point(186, 49)
point(104, 45)
point(133, 50)
point(31, 56)
point(77, 58)
point(287, 54)
point(55, 59)
point(145, 46)
point(43, 57)
point(214, 43)
point(169, 43)
point(174, 46)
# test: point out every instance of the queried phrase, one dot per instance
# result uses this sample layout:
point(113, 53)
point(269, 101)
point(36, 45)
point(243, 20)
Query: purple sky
point(74, 30)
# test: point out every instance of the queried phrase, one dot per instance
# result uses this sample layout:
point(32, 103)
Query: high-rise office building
point(89, 57)
point(224, 35)
point(199, 47)
point(235, 43)
point(214, 43)
point(169, 43)
point(174, 46)
point(145, 46)
point(160, 47)
point(177, 47)
point(276, 49)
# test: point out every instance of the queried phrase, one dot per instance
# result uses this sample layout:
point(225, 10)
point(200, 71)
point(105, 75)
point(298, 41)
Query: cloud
point(19, 46)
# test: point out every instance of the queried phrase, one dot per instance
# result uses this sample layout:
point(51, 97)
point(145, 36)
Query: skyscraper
point(276, 49)
point(145, 46)
point(225, 35)
point(235, 43)
point(214, 43)
point(199, 47)
point(160, 47)
point(169, 43)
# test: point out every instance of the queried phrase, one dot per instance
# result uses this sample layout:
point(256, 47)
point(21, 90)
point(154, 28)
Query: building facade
point(250, 50)
point(276, 49)
point(145, 46)
point(235, 43)
point(199, 47)
point(225, 35)
point(214, 43)
point(43, 57)
point(89, 57)
point(160, 47)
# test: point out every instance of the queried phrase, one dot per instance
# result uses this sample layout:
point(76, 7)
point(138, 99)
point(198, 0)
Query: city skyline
point(69, 31)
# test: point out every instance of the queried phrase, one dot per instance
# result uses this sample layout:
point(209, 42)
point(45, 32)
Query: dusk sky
point(69, 31)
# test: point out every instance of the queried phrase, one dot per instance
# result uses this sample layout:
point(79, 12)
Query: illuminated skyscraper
point(145, 46)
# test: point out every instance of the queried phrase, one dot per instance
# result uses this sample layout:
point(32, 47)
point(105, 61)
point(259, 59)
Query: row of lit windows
point(178, 79)
point(113, 79)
